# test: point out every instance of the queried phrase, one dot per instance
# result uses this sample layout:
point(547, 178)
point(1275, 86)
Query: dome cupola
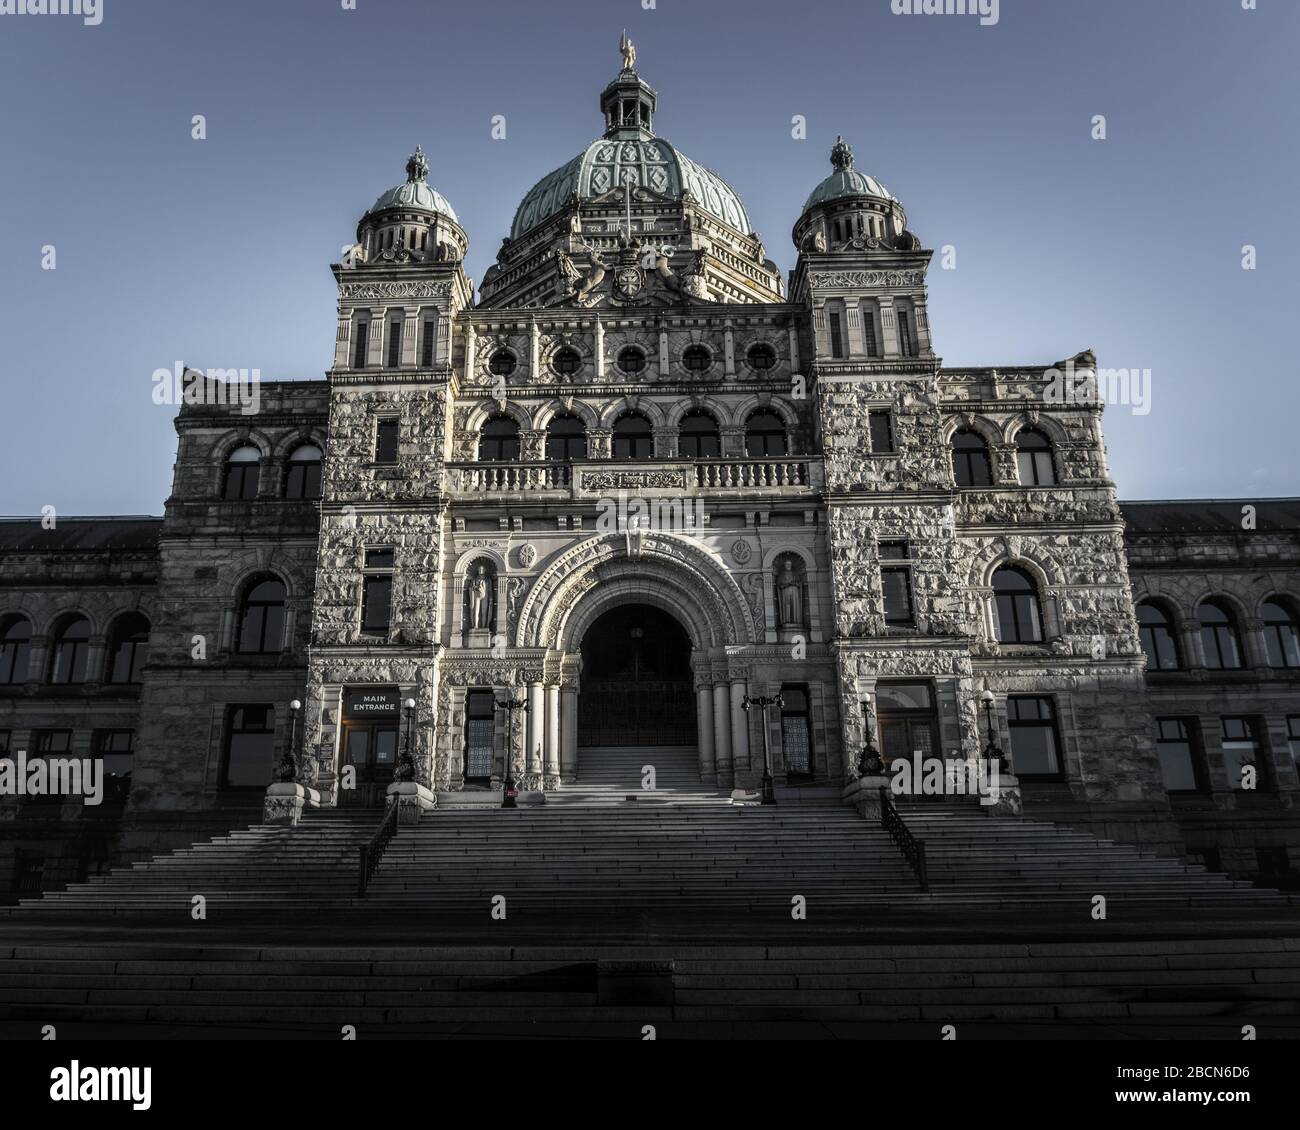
point(849, 209)
point(412, 220)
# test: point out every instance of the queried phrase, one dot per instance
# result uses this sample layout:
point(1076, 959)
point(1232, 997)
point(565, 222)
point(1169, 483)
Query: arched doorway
point(636, 680)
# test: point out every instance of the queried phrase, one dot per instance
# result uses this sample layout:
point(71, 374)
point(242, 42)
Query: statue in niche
point(789, 596)
point(480, 598)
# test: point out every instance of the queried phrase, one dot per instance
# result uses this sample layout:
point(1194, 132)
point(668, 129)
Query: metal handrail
point(913, 849)
point(371, 853)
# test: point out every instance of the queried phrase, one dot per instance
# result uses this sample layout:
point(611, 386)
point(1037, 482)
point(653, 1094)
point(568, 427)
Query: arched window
point(1158, 639)
point(15, 650)
point(128, 647)
point(71, 651)
point(566, 438)
point(632, 437)
point(302, 480)
point(1281, 636)
point(1019, 618)
point(970, 459)
point(242, 467)
point(765, 434)
point(1034, 459)
point(261, 619)
point(499, 441)
point(631, 360)
point(1219, 638)
point(697, 358)
point(566, 361)
point(697, 436)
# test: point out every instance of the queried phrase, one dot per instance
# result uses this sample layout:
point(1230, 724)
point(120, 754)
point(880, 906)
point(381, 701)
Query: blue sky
point(216, 252)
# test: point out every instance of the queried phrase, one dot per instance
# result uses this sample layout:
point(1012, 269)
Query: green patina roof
point(845, 180)
point(654, 163)
point(415, 191)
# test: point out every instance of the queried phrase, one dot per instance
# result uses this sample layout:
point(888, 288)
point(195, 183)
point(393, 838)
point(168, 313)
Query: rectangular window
point(480, 735)
point(394, 344)
point(1177, 753)
point(882, 431)
point(386, 441)
point(377, 592)
point(116, 748)
point(250, 746)
point(869, 330)
point(428, 342)
point(359, 354)
point(1035, 744)
point(796, 731)
point(1292, 738)
point(896, 584)
point(50, 744)
point(1241, 748)
point(837, 334)
point(906, 346)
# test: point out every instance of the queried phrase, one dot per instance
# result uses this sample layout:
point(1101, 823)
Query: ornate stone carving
point(527, 554)
point(741, 552)
point(853, 279)
point(394, 290)
point(673, 479)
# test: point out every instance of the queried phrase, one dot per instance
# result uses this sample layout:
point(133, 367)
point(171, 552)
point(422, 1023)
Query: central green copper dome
point(651, 163)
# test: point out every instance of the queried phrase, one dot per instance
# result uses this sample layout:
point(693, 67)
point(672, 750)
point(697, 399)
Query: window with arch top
point(302, 479)
point(970, 459)
point(1281, 635)
point(1219, 637)
point(261, 619)
point(1019, 617)
point(1158, 639)
point(239, 480)
point(698, 436)
point(765, 434)
point(71, 652)
point(1034, 459)
point(566, 438)
point(15, 649)
point(633, 438)
point(128, 647)
point(499, 441)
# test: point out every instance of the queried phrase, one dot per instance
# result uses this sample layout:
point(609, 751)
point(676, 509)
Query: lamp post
point(769, 791)
point(510, 705)
point(289, 768)
point(869, 763)
point(992, 751)
point(406, 763)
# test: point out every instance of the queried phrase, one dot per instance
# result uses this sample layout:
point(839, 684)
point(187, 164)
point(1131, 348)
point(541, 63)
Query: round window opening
point(762, 357)
point(697, 358)
point(631, 360)
point(566, 361)
point(503, 363)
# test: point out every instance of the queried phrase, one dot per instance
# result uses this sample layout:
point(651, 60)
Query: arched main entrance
point(637, 686)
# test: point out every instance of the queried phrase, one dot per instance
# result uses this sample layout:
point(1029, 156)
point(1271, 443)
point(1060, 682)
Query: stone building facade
point(642, 479)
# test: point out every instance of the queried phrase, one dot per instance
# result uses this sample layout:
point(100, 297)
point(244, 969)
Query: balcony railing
point(755, 473)
point(509, 477)
point(652, 475)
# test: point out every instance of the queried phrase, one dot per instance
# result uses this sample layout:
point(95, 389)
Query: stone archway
point(663, 571)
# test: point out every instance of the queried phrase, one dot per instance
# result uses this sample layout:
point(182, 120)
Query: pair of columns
point(551, 733)
point(723, 729)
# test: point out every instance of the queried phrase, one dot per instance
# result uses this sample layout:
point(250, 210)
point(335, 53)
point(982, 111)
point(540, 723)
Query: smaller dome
point(415, 192)
point(845, 181)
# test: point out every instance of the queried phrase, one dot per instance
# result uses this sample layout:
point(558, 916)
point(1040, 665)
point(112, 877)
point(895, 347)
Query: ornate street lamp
point(289, 768)
point(993, 751)
point(406, 763)
point(510, 705)
point(769, 790)
point(869, 762)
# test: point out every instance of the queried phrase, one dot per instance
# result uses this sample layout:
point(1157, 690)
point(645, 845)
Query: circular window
point(503, 363)
point(566, 361)
point(761, 356)
point(697, 358)
point(631, 360)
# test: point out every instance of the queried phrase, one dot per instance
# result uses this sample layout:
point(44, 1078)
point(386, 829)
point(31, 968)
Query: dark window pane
point(15, 651)
point(698, 436)
point(359, 354)
point(386, 432)
point(1177, 760)
point(632, 438)
point(429, 341)
point(696, 358)
point(765, 434)
point(566, 438)
point(499, 441)
point(882, 432)
point(375, 604)
point(250, 747)
point(1034, 751)
point(837, 334)
point(970, 460)
point(898, 596)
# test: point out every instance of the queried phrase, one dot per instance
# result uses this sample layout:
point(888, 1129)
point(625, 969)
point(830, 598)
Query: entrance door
point(371, 749)
point(636, 681)
point(907, 720)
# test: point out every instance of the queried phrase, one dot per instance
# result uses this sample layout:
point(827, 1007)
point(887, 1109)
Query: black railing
point(373, 852)
point(913, 849)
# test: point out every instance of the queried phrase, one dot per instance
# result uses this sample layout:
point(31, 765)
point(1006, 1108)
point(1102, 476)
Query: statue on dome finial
point(841, 154)
point(628, 52)
point(417, 167)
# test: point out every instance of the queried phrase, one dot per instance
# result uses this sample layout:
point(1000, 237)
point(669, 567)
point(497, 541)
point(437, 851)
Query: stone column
point(728, 351)
point(568, 734)
point(410, 337)
point(821, 340)
point(722, 733)
point(552, 734)
point(853, 327)
point(704, 728)
point(739, 729)
point(794, 347)
point(665, 361)
point(922, 318)
point(375, 343)
point(1193, 653)
point(888, 327)
point(600, 348)
point(343, 340)
point(1254, 651)
point(536, 728)
point(534, 351)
